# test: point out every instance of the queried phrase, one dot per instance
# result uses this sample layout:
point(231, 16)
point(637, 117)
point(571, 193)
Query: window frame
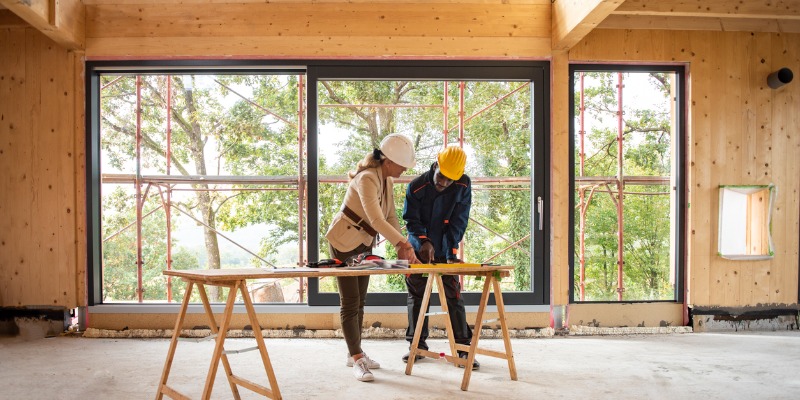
point(680, 71)
point(537, 72)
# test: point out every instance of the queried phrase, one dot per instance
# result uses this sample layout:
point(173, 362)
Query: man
point(436, 212)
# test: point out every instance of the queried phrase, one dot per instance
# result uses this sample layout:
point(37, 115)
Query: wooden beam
point(574, 19)
point(714, 15)
point(63, 21)
point(782, 9)
point(320, 47)
point(616, 21)
point(10, 20)
point(318, 19)
point(474, 29)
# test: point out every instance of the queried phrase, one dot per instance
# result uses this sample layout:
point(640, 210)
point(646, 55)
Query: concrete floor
point(744, 365)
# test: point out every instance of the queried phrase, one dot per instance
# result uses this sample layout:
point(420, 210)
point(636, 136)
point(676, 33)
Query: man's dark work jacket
point(440, 217)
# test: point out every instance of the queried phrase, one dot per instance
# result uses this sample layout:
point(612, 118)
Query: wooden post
point(274, 392)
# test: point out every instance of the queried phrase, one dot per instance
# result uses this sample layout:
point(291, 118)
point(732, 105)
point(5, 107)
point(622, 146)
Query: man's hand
point(454, 261)
point(426, 252)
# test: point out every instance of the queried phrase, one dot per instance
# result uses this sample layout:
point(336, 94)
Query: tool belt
point(359, 221)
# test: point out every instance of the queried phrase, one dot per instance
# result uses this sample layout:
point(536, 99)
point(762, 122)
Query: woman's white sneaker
point(372, 364)
point(361, 370)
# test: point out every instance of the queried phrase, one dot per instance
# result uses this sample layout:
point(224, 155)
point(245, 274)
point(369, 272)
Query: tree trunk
point(204, 200)
point(210, 236)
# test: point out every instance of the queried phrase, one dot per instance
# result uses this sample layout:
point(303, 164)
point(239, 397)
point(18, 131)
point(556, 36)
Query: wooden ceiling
point(64, 20)
point(711, 15)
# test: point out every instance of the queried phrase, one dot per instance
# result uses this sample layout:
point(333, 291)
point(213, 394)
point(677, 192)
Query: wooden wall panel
point(38, 231)
point(321, 30)
point(37, 130)
point(78, 161)
point(560, 208)
point(786, 147)
point(740, 133)
point(12, 73)
point(626, 314)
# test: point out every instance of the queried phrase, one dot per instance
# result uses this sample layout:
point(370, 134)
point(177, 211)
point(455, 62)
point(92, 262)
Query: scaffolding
point(167, 184)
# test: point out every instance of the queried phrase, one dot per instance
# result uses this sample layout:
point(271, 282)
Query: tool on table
point(325, 263)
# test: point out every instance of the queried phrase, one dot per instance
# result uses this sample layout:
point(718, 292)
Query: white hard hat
point(399, 149)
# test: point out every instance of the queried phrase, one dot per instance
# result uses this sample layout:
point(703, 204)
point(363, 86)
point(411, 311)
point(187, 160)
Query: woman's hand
point(406, 252)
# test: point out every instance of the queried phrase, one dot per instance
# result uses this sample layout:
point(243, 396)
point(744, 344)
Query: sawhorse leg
point(173, 344)
point(221, 334)
point(219, 352)
point(448, 324)
point(490, 282)
point(501, 314)
point(412, 354)
point(421, 320)
point(273, 391)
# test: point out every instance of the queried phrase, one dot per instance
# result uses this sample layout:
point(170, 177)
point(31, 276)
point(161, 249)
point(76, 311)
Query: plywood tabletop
point(225, 275)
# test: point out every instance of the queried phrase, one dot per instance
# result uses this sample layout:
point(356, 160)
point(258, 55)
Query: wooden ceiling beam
point(615, 21)
point(572, 20)
point(63, 21)
point(10, 20)
point(771, 9)
point(710, 15)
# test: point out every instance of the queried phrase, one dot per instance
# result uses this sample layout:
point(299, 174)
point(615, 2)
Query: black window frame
point(680, 180)
point(537, 72)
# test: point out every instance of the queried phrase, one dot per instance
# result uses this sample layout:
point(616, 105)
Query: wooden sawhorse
point(491, 280)
point(273, 392)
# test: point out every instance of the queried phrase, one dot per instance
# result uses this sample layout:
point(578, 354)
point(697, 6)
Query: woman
point(368, 209)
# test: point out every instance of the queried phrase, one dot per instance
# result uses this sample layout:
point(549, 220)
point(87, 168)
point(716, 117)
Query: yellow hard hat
point(452, 160)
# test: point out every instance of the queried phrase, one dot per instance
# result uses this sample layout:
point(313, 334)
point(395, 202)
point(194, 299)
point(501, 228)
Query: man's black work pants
point(455, 305)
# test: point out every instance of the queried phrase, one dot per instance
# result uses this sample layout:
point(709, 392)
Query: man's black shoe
point(475, 363)
point(417, 358)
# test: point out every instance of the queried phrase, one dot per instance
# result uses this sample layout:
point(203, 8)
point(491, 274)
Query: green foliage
point(119, 262)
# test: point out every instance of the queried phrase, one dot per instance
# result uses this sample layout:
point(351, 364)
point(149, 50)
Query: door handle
point(540, 209)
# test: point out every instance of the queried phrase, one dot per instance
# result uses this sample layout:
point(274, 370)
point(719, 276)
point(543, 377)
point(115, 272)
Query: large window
point(199, 170)
point(243, 166)
point(491, 111)
point(627, 186)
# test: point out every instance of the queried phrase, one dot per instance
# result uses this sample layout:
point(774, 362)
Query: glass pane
point(222, 153)
point(625, 124)
point(491, 120)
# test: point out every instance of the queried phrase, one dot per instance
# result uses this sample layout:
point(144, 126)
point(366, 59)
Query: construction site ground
point(731, 365)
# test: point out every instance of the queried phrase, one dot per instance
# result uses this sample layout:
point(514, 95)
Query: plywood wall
point(741, 132)
point(41, 181)
point(352, 29)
